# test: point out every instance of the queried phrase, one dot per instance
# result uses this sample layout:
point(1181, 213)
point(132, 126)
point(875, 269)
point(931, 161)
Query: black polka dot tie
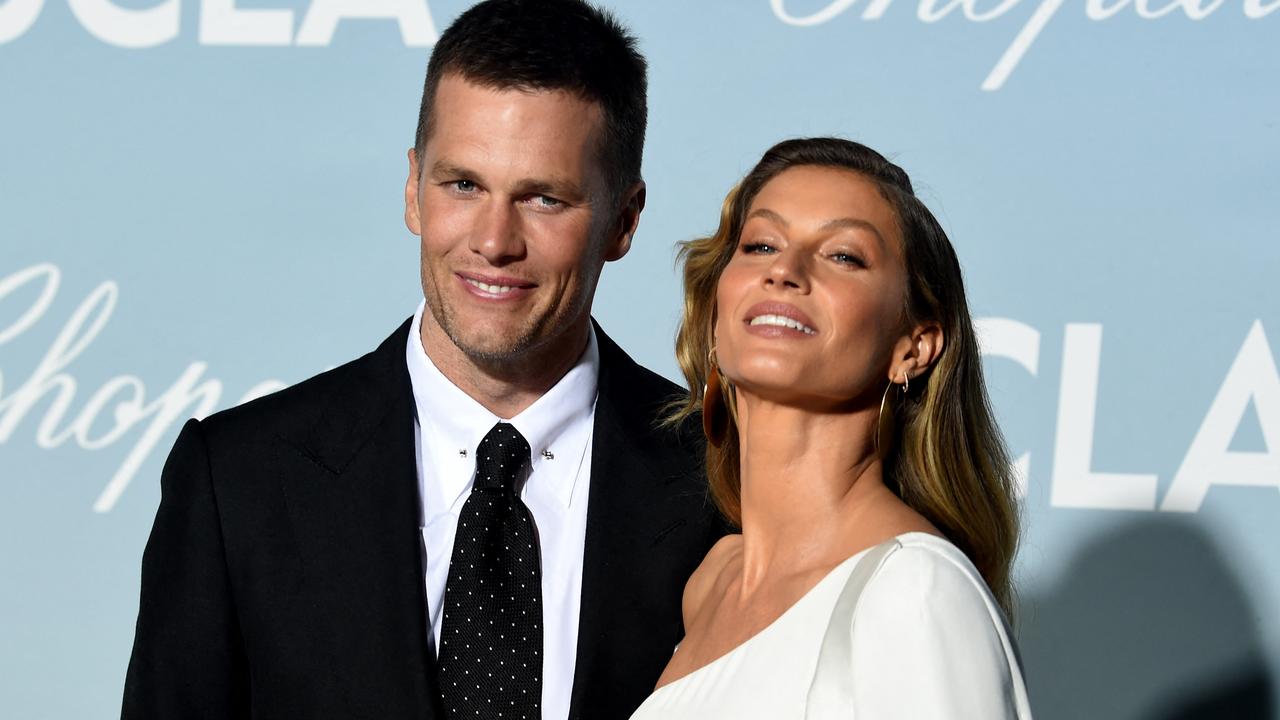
point(491, 636)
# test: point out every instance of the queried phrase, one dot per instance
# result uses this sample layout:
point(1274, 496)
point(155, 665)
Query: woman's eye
point(848, 259)
point(757, 248)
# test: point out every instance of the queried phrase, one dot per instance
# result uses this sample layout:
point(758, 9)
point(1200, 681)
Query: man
point(483, 517)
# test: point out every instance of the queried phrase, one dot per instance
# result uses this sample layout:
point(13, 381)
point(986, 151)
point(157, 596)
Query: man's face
point(516, 221)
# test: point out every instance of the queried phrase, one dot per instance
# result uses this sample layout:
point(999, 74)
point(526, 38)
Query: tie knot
point(502, 454)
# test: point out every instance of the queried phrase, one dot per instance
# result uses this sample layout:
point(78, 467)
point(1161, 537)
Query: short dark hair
point(550, 45)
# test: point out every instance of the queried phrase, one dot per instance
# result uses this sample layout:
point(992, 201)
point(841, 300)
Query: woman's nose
point(788, 271)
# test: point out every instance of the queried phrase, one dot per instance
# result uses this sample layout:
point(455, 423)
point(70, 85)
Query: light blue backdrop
point(200, 197)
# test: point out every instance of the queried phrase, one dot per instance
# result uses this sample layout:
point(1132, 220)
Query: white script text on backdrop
point(220, 22)
point(1209, 461)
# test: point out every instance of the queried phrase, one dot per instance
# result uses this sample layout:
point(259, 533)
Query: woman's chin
point(792, 393)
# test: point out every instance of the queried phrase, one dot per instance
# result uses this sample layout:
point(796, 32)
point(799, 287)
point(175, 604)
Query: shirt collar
point(558, 423)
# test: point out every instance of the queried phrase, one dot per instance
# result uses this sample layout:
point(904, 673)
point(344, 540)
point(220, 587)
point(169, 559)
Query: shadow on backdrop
point(1147, 623)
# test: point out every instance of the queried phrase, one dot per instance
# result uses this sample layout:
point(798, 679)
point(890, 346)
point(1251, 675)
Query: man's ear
point(411, 219)
point(915, 353)
point(624, 226)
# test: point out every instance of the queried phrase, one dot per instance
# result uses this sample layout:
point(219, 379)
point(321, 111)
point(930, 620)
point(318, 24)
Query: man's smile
point(495, 287)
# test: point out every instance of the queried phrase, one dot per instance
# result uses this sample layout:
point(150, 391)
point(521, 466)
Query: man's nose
point(497, 233)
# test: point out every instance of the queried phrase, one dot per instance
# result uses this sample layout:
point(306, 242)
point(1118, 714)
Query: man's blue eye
point(545, 201)
point(464, 185)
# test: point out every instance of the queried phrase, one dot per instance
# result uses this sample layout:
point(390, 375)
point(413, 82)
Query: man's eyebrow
point(561, 188)
point(445, 169)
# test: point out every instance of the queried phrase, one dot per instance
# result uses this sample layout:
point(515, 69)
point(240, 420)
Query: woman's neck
point(807, 479)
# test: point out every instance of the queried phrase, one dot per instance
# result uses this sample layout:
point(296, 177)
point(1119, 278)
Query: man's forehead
point(457, 86)
point(545, 132)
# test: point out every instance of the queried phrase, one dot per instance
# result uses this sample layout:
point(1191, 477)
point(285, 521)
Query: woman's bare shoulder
point(708, 575)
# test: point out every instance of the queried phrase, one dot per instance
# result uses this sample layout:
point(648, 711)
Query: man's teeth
point(493, 289)
point(781, 321)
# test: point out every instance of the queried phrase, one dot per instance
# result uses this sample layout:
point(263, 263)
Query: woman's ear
point(916, 352)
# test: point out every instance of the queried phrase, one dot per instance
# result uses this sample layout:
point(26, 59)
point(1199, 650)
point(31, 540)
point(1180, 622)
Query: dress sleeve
point(927, 644)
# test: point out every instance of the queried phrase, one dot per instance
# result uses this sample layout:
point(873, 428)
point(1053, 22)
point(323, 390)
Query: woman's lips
point(774, 319)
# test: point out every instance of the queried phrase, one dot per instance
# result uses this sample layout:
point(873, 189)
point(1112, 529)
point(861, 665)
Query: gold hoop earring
point(715, 416)
point(906, 385)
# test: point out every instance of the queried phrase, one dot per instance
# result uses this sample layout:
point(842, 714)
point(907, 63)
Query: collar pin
point(462, 452)
point(547, 454)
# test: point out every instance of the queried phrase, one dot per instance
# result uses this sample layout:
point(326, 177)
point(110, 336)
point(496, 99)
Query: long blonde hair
point(945, 456)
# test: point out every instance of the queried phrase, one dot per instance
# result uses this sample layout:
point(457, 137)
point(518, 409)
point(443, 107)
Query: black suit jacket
point(283, 577)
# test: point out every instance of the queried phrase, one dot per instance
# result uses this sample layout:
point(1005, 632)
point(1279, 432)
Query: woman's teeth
point(781, 321)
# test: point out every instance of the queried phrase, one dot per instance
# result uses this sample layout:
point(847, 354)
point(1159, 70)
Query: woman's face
point(811, 306)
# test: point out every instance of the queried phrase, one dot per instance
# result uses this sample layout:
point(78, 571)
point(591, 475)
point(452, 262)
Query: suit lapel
point(349, 479)
point(350, 483)
point(647, 528)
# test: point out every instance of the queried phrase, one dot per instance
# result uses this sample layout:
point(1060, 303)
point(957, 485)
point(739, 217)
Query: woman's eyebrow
point(853, 224)
point(770, 215)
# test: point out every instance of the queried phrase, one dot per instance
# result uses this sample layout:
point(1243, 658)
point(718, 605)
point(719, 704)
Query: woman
point(852, 441)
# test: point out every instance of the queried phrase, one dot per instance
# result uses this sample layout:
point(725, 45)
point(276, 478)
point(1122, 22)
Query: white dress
point(906, 629)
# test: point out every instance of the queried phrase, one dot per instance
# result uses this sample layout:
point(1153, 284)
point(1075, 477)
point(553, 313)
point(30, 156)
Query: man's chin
point(490, 344)
point(490, 354)
point(501, 339)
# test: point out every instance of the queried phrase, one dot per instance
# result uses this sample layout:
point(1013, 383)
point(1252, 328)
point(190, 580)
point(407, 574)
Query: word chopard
point(125, 395)
point(222, 23)
point(121, 402)
point(931, 11)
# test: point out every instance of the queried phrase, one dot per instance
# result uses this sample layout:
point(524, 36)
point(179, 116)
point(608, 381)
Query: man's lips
point(774, 318)
point(495, 286)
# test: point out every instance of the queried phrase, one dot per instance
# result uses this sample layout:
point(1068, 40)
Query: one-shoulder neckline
point(802, 600)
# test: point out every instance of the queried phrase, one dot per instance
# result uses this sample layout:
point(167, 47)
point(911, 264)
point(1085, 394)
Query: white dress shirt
point(558, 427)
